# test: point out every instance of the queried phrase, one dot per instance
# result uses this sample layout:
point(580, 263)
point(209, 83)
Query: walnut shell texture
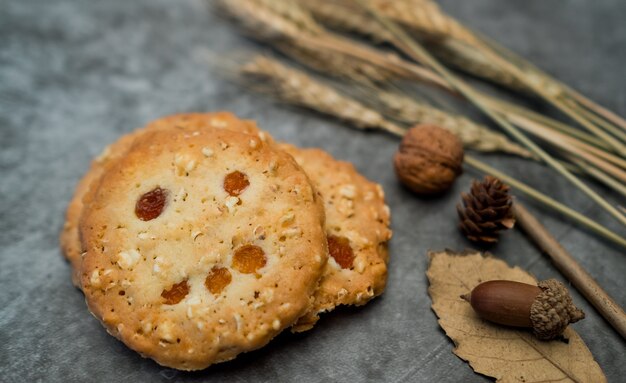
point(429, 159)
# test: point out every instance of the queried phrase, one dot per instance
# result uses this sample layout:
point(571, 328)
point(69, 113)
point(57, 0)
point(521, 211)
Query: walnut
point(429, 159)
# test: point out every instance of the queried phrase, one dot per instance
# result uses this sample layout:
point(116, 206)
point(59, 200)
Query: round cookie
point(201, 246)
point(357, 226)
point(188, 123)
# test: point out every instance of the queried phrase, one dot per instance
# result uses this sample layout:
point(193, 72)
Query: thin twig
point(577, 148)
point(509, 109)
point(598, 174)
point(570, 92)
point(573, 271)
point(614, 130)
point(543, 85)
point(599, 110)
point(562, 140)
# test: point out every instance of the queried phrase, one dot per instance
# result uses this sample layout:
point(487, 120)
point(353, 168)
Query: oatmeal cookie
point(200, 246)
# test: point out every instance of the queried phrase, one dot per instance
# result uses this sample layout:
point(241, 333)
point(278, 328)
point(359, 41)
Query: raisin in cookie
point(187, 123)
point(357, 226)
point(201, 246)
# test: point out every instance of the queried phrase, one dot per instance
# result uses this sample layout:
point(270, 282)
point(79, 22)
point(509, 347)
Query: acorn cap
point(552, 310)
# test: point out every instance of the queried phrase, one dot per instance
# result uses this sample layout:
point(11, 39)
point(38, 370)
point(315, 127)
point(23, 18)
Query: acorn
point(546, 308)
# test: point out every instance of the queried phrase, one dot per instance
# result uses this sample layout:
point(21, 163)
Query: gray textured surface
point(74, 75)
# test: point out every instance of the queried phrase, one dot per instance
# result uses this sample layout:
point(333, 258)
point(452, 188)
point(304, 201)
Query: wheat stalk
point(555, 94)
point(313, 46)
point(338, 64)
point(288, 10)
point(547, 201)
point(598, 174)
point(340, 15)
point(262, 20)
point(472, 134)
point(423, 17)
point(316, 48)
point(457, 45)
point(529, 75)
point(416, 51)
point(325, 52)
point(345, 17)
point(570, 93)
point(297, 88)
point(469, 60)
point(447, 38)
point(337, 54)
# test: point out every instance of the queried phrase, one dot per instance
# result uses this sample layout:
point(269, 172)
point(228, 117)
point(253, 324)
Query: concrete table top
point(75, 75)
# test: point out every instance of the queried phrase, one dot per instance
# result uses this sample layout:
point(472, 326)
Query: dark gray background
point(75, 75)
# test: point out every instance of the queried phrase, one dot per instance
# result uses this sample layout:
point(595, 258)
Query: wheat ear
point(341, 16)
point(297, 88)
point(269, 20)
point(473, 135)
point(424, 17)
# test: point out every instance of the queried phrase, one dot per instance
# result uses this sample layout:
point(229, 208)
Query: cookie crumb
point(164, 332)
point(287, 219)
point(183, 165)
point(217, 122)
point(231, 202)
point(238, 321)
point(146, 327)
point(181, 195)
point(292, 232)
point(259, 232)
point(207, 152)
point(95, 278)
point(127, 259)
point(360, 267)
point(276, 324)
point(348, 191)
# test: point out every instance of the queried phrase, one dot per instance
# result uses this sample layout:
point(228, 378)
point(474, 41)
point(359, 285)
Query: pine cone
point(486, 210)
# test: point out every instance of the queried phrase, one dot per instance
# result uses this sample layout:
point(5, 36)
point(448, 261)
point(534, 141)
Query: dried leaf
point(507, 354)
